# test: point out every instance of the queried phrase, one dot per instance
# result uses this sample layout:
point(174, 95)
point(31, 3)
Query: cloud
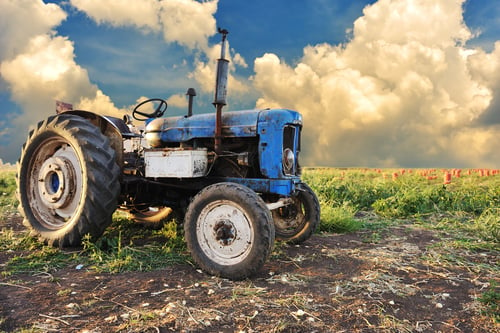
point(179, 101)
point(403, 91)
point(38, 68)
point(186, 22)
point(42, 18)
point(141, 14)
point(485, 69)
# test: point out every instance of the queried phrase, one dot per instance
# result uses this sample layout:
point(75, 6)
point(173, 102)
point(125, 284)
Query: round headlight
point(288, 160)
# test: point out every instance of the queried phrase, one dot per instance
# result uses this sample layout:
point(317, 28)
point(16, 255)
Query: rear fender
point(114, 128)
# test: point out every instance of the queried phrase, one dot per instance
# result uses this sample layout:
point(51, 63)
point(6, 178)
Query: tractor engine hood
point(248, 123)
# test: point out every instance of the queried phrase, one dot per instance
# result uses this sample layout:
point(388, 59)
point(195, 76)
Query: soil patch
point(331, 283)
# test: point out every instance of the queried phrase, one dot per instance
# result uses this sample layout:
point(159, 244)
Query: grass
point(8, 201)
point(469, 204)
point(351, 199)
point(491, 301)
point(466, 212)
point(339, 219)
point(115, 252)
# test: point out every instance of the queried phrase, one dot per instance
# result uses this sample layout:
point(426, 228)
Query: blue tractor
point(232, 178)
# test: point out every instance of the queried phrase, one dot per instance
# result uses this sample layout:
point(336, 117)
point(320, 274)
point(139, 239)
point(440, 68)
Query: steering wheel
point(159, 110)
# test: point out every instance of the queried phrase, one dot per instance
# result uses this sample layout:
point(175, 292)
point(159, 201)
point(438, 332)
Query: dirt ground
point(394, 281)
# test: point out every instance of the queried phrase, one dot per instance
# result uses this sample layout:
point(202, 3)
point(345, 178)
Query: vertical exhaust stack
point(191, 93)
point(220, 90)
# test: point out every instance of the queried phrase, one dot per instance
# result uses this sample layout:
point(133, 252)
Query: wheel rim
point(225, 232)
point(55, 183)
point(289, 219)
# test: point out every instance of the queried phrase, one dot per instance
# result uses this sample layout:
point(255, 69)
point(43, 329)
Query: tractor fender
point(114, 128)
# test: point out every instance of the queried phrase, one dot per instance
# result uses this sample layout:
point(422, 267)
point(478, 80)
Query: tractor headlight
point(288, 161)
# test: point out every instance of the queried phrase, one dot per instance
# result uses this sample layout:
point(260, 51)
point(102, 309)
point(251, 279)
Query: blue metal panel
point(270, 128)
point(182, 129)
point(283, 187)
point(267, 124)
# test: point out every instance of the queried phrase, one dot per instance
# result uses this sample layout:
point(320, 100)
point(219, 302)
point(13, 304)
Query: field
point(397, 251)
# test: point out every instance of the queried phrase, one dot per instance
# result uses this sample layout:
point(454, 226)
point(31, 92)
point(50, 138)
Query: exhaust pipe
point(191, 93)
point(220, 91)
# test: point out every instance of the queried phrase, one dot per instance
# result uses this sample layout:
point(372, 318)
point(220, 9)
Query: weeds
point(43, 260)
point(339, 219)
point(345, 192)
point(114, 252)
point(488, 225)
point(491, 302)
point(8, 200)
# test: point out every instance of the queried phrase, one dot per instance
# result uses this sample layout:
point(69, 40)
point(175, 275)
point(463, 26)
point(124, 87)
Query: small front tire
point(229, 230)
point(295, 223)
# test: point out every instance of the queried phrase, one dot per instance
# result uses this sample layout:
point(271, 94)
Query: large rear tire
point(229, 230)
point(295, 223)
point(68, 180)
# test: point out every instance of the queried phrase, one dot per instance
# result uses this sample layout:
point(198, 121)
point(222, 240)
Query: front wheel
point(296, 222)
point(229, 230)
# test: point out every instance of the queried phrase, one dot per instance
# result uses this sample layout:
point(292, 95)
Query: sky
point(387, 83)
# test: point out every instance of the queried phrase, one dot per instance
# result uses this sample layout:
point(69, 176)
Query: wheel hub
point(288, 217)
point(56, 182)
point(225, 232)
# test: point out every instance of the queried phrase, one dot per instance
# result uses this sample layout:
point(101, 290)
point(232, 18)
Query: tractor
point(231, 178)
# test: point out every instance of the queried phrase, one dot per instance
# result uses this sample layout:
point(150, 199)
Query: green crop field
point(465, 200)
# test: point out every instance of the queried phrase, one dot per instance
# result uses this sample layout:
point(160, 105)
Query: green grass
point(467, 212)
point(339, 219)
point(116, 251)
point(470, 204)
point(351, 199)
point(8, 201)
point(491, 301)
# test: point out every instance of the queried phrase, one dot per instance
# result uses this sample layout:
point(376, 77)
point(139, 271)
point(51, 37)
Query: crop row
point(410, 193)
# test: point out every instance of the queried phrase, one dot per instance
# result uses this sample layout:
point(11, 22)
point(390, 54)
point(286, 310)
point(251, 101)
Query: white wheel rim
point(56, 184)
point(224, 232)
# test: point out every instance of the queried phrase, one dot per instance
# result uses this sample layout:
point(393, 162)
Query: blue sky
point(384, 83)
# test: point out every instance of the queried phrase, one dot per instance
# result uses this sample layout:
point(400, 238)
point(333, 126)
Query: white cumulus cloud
point(188, 23)
point(38, 67)
point(403, 91)
point(142, 14)
point(40, 18)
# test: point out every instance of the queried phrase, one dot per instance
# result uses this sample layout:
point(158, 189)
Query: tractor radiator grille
point(291, 149)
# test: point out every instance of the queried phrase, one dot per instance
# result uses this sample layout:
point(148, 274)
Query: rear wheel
point(296, 222)
point(229, 230)
point(67, 180)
